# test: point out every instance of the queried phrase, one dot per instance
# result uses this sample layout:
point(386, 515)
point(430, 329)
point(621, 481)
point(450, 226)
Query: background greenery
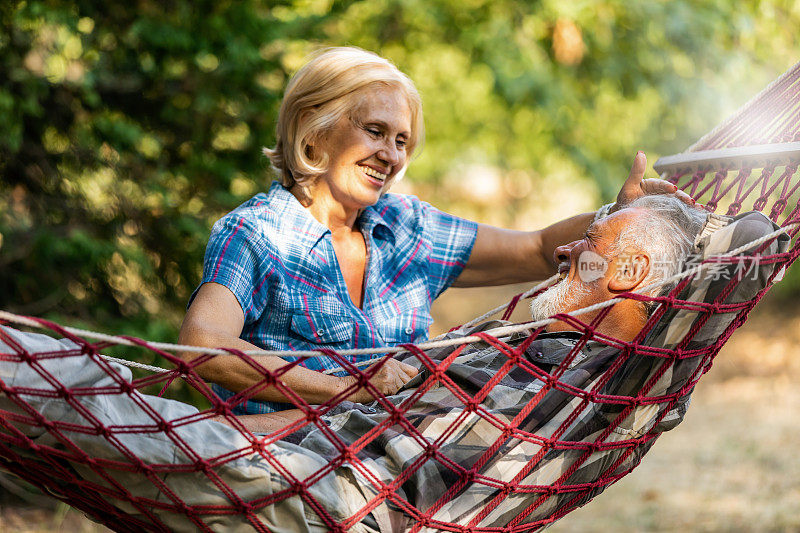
point(127, 129)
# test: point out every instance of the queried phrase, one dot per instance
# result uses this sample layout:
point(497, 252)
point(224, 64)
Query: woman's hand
point(636, 186)
point(388, 379)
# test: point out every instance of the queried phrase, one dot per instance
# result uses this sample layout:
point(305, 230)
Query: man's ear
point(631, 269)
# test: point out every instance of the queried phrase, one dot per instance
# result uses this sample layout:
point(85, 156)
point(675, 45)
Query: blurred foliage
point(128, 129)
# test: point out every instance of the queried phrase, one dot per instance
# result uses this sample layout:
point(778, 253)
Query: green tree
point(128, 129)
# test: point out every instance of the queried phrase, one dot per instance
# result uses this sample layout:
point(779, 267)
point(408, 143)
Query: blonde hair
point(320, 94)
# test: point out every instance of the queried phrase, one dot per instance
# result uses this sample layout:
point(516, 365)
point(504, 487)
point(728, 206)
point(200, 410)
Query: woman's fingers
point(387, 376)
point(688, 200)
point(637, 169)
point(408, 370)
point(659, 186)
point(401, 374)
point(392, 376)
point(636, 186)
point(632, 188)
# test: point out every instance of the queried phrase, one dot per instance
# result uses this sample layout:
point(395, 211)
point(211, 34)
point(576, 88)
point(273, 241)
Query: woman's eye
point(401, 143)
point(374, 131)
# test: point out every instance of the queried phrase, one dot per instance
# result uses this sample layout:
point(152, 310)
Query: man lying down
point(645, 242)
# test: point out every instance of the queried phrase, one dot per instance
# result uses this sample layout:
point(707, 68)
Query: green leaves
point(127, 130)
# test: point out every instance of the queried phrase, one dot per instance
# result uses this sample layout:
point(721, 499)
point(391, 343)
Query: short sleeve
point(235, 257)
point(450, 240)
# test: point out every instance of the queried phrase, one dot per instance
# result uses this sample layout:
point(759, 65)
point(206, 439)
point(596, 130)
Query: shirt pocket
point(323, 322)
point(408, 327)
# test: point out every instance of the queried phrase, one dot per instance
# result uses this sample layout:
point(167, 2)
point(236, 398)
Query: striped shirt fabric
point(279, 262)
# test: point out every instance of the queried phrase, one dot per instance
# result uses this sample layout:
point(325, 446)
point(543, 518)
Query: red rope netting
point(503, 430)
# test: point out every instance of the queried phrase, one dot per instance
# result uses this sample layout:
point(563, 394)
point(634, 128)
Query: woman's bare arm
point(215, 320)
point(502, 256)
point(266, 422)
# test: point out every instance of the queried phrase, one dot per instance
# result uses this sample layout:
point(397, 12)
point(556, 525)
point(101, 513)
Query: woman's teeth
point(374, 173)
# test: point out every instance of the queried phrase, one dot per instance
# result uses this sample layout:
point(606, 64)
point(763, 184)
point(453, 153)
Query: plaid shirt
point(279, 262)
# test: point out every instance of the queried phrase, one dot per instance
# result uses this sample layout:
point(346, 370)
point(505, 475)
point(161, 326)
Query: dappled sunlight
point(129, 129)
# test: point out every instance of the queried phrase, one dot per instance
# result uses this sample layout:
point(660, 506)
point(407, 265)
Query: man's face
point(588, 274)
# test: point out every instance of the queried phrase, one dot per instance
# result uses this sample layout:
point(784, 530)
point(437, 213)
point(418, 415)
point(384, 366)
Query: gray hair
point(666, 229)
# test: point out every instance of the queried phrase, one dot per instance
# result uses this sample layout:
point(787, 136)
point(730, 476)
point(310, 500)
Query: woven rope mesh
point(506, 433)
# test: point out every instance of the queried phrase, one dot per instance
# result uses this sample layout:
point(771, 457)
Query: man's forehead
point(598, 228)
point(611, 225)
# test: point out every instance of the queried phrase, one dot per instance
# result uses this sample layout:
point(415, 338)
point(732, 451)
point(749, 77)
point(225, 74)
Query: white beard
point(559, 298)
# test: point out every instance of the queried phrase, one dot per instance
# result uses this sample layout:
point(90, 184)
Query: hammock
point(506, 428)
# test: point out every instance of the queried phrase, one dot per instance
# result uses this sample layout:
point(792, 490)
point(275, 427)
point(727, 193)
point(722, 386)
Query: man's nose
point(561, 253)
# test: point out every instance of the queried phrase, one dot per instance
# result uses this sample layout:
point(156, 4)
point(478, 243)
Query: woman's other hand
point(390, 377)
point(636, 186)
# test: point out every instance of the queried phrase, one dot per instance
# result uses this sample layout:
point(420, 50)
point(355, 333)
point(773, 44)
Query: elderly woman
point(326, 258)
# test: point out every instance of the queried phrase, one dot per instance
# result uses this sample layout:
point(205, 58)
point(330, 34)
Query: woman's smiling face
point(366, 150)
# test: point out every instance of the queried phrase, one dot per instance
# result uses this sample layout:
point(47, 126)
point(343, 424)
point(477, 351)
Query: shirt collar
point(308, 228)
point(370, 219)
point(373, 222)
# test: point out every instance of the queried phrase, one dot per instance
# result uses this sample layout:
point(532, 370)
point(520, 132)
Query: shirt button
point(320, 332)
point(409, 330)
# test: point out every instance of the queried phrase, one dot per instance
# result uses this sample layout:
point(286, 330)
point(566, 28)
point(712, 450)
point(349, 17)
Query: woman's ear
point(630, 270)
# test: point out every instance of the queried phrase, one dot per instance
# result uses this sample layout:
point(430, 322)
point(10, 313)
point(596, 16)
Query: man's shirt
point(279, 262)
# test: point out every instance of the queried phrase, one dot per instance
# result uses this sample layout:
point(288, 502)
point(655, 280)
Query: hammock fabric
point(500, 431)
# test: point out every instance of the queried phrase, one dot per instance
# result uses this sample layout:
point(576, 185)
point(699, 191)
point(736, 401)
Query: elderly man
point(623, 252)
point(487, 430)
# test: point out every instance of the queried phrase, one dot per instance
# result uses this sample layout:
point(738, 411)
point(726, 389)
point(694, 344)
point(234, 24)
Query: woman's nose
point(561, 253)
point(389, 154)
